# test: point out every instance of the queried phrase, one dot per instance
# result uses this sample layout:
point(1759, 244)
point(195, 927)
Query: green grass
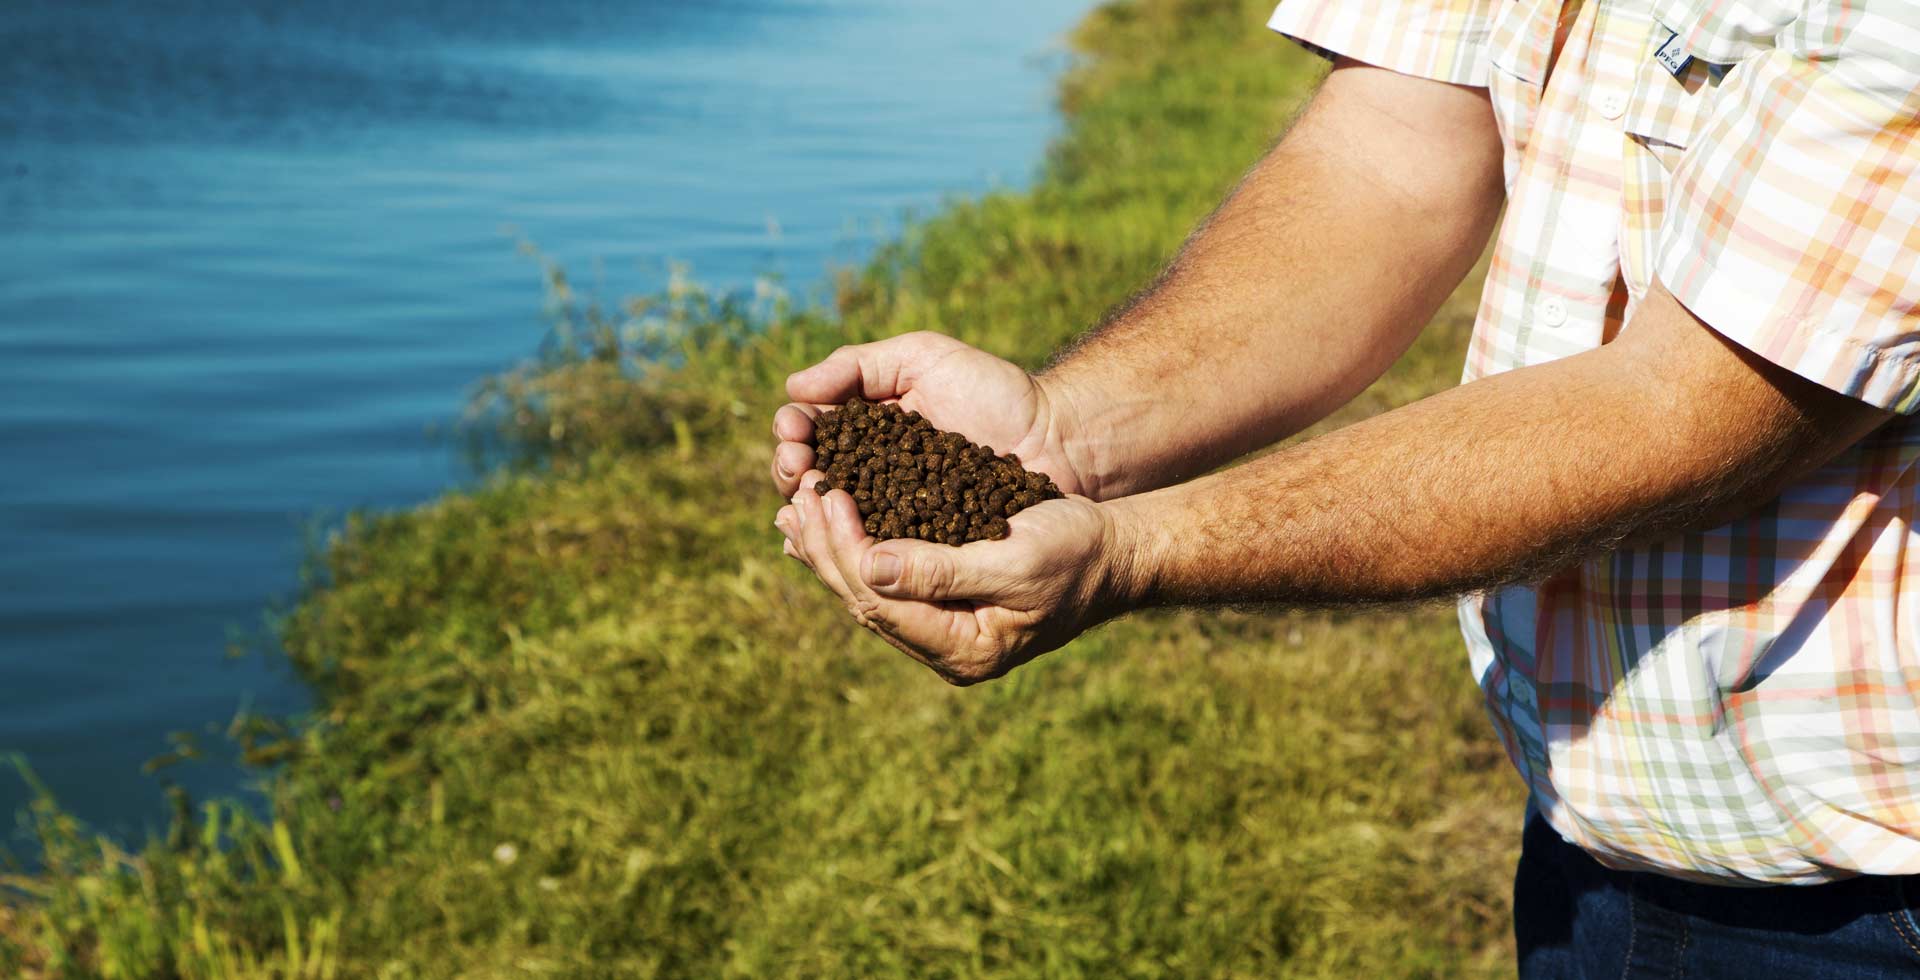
point(585, 720)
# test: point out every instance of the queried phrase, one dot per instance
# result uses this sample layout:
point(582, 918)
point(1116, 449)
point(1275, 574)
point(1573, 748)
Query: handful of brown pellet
point(912, 480)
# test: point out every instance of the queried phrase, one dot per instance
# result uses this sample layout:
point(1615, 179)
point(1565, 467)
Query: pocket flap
point(1521, 41)
point(1725, 33)
point(1668, 109)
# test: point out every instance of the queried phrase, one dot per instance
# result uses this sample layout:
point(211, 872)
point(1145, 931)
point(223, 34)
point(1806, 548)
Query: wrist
point(1130, 552)
point(1069, 432)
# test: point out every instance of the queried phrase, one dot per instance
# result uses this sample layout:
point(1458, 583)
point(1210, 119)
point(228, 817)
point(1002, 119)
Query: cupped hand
point(954, 386)
point(973, 612)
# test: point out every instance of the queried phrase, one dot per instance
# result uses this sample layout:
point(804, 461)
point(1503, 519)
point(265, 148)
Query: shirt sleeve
point(1445, 40)
point(1793, 221)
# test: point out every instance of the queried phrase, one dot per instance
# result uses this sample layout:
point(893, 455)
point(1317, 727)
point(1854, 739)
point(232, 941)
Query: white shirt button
point(1553, 312)
point(1611, 104)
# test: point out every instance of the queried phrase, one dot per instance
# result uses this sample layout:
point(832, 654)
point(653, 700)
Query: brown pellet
point(911, 480)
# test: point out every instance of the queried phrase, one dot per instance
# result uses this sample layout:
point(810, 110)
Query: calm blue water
point(255, 251)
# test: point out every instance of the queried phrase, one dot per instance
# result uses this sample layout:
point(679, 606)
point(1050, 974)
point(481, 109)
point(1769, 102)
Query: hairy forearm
point(1305, 285)
point(1507, 479)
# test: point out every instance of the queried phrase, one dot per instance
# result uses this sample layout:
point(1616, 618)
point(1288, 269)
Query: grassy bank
point(585, 720)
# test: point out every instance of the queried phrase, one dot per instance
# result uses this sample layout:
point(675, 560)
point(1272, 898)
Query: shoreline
point(197, 415)
point(584, 718)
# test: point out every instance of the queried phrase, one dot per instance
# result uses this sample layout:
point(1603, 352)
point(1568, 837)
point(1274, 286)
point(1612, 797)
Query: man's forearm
point(1314, 275)
point(1506, 479)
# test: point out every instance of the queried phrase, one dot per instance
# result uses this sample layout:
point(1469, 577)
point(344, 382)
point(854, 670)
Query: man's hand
point(956, 387)
point(974, 612)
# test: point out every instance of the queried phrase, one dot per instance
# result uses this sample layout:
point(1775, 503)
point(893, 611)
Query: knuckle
point(971, 674)
point(932, 578)
point(853, 609)
point(972, 666)
point(955, 675)
point(865, 611)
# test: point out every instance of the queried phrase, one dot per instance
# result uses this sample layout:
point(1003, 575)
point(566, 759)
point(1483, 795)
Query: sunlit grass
point(586, 721)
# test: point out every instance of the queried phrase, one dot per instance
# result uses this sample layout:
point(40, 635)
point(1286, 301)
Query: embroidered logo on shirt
point(1672, 55)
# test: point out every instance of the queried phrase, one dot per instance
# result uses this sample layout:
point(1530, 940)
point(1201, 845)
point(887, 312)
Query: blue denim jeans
point(1577, 920)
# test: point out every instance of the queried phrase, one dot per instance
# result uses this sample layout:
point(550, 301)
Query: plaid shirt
point(1741, 703)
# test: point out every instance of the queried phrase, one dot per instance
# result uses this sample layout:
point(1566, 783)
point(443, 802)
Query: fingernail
point(785, 474)
point(885, 569)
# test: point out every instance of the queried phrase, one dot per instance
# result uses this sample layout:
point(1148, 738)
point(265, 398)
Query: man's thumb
point(829, 382)
point(924, 571)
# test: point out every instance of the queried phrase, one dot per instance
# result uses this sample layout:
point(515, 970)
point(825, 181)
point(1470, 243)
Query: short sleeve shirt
point(1741, 703)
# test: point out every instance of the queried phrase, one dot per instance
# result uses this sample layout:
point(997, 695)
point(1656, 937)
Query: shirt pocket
point(1667, 109)
point(1520, 42)
point(1724, 33)
point(1519, 47)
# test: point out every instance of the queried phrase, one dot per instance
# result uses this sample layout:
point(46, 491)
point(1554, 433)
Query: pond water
point(258, 251)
